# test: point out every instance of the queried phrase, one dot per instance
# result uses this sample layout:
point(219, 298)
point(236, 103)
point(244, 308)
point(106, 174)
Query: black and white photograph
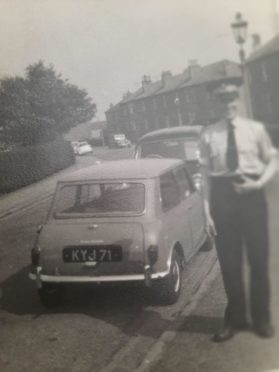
point(139, 186)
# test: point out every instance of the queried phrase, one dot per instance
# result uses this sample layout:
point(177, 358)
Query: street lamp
point(239, 28)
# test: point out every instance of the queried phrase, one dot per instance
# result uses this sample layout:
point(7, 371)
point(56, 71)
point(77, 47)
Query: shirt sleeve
point(266, 148)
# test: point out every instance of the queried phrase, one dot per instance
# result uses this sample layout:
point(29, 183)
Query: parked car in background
point(119, 140)
point(176, 142)
point(125, 221)
point(74, 145)
point(81, 147)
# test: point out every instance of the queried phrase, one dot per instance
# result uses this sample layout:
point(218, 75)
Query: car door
point(176, 219)
point(195, 206)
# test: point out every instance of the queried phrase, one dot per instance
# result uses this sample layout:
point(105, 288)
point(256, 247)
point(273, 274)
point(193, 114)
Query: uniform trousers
point(241, 221)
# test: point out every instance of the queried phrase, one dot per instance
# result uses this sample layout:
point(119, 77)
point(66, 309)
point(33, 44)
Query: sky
point(106, 46)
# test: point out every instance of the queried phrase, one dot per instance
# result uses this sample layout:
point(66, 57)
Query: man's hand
point(210, 226)
point(247, 185)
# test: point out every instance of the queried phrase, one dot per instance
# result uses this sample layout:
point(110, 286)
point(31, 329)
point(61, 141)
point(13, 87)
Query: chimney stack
point(146, 81)
point(127, 95)
point(166, 76)
point(194, 68)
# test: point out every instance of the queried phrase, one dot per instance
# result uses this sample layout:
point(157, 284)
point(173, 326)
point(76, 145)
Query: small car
point(121, 221)
point(119, 140)
point(176, 142)
point(82, 148)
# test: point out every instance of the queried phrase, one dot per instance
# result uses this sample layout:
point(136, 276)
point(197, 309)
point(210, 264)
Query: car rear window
point(100, 198)
point(171, 148)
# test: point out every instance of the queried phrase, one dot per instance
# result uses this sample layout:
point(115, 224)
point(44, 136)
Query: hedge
point(23, 166)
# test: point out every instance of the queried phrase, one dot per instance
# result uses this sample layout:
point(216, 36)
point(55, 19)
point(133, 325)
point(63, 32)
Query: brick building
point(174, 100)
point(262, 69)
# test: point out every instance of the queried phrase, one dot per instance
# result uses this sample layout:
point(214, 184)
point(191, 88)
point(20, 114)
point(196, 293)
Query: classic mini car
point(175, 142)
point(122, 221)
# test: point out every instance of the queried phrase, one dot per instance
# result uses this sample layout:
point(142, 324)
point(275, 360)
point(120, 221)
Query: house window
point(131, 108)
point(133, 124)
point(192, 117)
point(187, 96)
point(145, 125)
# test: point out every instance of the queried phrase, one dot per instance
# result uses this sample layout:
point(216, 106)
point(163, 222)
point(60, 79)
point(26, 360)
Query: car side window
point(169, 191)
point(184, 184)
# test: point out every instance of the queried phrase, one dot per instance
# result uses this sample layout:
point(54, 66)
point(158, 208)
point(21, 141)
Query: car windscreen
point(100, 198)
point(171, 148)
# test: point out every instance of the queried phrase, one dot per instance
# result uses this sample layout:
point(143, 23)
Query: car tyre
point(51, 294)
point(169, 288)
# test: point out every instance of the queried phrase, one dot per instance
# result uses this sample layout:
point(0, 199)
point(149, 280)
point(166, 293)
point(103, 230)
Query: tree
point(41, 106)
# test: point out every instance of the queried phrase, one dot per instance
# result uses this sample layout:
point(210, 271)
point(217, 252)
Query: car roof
point(124, 169)
point(173, 132)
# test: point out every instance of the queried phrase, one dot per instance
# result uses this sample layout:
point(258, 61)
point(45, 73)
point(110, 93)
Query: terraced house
point(174, 100)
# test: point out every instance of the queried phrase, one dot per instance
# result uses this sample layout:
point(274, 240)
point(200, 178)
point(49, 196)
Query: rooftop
point(123, 169)
point(216, 72)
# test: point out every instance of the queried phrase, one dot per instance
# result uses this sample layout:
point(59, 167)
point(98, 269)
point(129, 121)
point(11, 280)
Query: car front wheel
point(169, 288)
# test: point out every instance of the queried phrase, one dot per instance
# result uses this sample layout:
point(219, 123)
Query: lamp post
point(239, 28)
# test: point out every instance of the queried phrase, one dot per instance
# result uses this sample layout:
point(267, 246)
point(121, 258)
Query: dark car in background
point(176, 142)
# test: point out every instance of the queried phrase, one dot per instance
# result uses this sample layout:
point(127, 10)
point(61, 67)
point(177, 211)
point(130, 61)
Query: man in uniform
point(240, 160)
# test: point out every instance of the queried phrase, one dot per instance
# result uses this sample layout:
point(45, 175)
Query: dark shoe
point(223, 334)
point(264, 330)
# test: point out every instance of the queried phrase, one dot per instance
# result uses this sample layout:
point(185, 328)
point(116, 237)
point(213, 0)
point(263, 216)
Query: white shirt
point(254, 147)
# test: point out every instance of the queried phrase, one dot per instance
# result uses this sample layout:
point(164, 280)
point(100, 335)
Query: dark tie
point(232, 154)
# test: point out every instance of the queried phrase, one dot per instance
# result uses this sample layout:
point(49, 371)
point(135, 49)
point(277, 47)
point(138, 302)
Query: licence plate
point(108, 253)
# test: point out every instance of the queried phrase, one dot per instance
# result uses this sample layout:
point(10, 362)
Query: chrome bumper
point(146, 277)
